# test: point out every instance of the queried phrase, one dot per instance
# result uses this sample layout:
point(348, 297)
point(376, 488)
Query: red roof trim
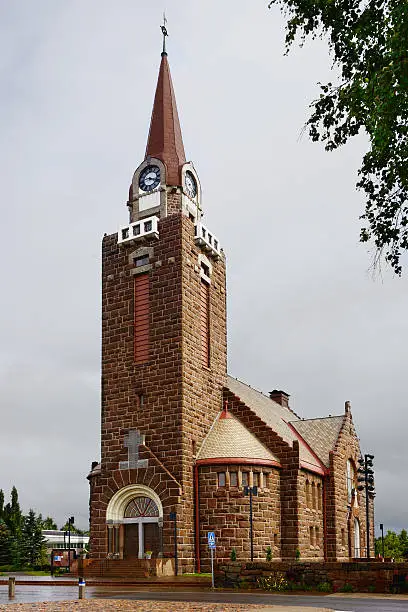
point(237, 460)
point(320, 468)
point(313, 468)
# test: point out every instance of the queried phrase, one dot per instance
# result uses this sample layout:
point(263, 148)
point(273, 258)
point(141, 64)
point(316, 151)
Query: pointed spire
point(165, 140)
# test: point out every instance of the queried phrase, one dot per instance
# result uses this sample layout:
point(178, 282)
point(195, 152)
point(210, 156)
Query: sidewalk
point(111, 605)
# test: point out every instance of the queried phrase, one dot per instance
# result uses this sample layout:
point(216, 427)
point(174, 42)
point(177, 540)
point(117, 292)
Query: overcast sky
point(305, 315)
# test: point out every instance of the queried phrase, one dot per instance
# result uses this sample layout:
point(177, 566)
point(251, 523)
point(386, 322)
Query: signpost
point(212, 547)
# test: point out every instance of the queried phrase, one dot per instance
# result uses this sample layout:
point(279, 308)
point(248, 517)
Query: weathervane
point(165, 33)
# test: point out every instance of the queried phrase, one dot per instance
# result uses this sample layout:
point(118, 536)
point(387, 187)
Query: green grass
point(197, 574)
point(37, 573)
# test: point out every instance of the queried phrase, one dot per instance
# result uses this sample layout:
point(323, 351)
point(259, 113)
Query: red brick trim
point(320, 468)
point(237, 461)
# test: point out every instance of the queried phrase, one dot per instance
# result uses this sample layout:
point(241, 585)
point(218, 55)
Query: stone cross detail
point(132, 442)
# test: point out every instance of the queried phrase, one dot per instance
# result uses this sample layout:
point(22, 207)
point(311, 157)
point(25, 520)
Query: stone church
point(181, 440)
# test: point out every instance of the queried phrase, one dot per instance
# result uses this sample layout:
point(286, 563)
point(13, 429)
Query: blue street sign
point(211, 539)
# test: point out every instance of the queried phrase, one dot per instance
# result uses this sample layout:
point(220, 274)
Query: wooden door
point(151, 538)
point(131, 548)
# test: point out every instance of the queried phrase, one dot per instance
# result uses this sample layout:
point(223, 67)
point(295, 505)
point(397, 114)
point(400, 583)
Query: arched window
point(319, 496)
point(314, 505)
point(308, 494)
point(140, 507)
point(350, 479)
point(357, 551)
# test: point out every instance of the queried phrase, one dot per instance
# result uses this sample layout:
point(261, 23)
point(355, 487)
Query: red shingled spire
point(165, 140)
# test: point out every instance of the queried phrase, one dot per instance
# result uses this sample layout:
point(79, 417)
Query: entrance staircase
point(120, 568)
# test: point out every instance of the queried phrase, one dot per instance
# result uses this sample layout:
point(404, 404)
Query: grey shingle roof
point(274, 415)
point(320, 434)
point(228, 437)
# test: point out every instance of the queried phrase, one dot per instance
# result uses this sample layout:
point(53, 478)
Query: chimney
point(280, 397)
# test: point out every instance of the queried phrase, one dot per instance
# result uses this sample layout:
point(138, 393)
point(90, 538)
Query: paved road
point(338, 604)
point(343, 604)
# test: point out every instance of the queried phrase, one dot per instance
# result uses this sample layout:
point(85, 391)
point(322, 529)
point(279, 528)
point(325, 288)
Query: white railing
point(139, 229)
point(207, 240)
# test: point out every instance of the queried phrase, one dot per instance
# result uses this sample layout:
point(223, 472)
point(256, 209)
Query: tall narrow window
point(141, 318)
point(205, 322)
point(350, 480)
point(308, 502)
point(319, 497)
point(221, 479)
point(314, 506)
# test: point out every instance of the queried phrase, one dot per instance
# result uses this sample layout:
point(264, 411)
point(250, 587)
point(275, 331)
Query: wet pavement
point(130, 598)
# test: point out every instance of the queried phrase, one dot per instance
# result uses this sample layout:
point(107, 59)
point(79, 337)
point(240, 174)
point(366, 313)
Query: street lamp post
point(71, 521)
point(251, 491)
point(382, 539)
point(367, 477)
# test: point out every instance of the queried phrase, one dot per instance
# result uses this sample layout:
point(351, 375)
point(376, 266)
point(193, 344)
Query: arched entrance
point(141, 528)
point(134, 520)
point(357, 549)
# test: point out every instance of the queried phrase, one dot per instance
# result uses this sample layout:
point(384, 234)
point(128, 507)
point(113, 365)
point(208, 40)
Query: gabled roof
point(320, 434)
point(277, 417)
point(229, 438)
point(165, 141)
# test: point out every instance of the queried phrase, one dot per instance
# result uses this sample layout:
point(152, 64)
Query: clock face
point(191, 185)
point(149, 178)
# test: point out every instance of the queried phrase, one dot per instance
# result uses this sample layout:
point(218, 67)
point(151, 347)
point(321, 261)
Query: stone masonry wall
point(289, 459)
point(201, 386)
point(340, 512)
point(362, 576)
point(311, 524)
point(172, 399)
point(225, 510)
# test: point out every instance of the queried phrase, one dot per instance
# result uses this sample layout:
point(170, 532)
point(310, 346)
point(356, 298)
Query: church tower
point(163, 352)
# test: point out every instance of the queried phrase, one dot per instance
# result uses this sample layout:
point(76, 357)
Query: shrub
point(274, 582)
point(324, 587)
point(233, 555)
point(269, 553)
point(346, 588)
point(297, 554)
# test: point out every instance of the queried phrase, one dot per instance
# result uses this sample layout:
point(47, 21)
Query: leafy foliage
point(73, 529)
point(395, 545)
point(269, 553)
point(275, 582)
point(324, 587)
point(233, 555)
point(368, 42)
point(48, 523)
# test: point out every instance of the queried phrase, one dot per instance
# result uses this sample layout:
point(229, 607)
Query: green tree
point(5, 558)
point(403, 538)
point(13, 519)
point(1, 503)
point(395, 545)
point(33, 541)
point(48, 523)
point(368, 43)
point(73, 529)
